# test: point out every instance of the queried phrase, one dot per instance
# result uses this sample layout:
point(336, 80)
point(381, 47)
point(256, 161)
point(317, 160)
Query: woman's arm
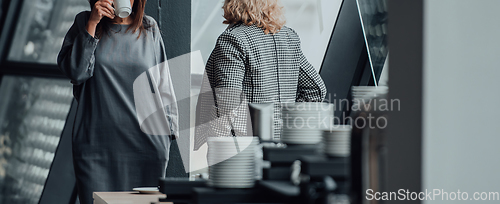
point(225, 70)
point(76, 58)
point(310, 86)
point(165, 86)
point(102, 8)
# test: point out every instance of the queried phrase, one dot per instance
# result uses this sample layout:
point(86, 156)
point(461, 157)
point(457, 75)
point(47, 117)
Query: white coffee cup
point(122, 8)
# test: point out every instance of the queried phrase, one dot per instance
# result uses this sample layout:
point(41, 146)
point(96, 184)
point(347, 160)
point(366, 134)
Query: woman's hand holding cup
point(102, 8)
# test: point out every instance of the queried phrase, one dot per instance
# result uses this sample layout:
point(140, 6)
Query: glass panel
point(1, 11)
point(41, 28)
point(33, 112)
point(313, 20)
point(373, 14)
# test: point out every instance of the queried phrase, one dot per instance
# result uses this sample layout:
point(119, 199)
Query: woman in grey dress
point(106, 57)
point(255, 60)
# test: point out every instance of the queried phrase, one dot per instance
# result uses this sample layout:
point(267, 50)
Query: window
point(31, 124)
point(41, 28)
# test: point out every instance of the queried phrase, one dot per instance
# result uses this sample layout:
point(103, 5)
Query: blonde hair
point(265, 14)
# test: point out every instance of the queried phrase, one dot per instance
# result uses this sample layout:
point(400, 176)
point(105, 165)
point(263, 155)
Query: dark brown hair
point(139, 23)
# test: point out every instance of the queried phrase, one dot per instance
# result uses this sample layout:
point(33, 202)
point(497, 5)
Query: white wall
point(461, 125)
point(313, 20)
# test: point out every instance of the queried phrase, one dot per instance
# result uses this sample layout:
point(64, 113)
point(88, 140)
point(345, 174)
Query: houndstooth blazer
point(249, 66)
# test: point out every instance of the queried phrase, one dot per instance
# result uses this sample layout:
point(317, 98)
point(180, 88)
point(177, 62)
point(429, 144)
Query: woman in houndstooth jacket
point(255, 60)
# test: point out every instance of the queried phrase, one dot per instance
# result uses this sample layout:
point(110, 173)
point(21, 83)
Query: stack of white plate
point(337, 141)
point(231, 161)
point(361, 92)
point(303, 122)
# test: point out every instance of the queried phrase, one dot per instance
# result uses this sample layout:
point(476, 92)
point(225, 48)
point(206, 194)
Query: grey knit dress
point(111, 152)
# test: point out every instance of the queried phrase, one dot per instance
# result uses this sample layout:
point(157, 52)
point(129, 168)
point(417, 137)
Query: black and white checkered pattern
point(248, 66)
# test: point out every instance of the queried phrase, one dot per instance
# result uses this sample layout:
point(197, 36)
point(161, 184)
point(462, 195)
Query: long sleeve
point(76, 58)
point(225, 70)
point(166, 88)
point(310, 86)
point(204, 108)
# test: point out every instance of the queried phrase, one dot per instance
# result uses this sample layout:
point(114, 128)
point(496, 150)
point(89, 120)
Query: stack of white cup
point(303, 122)
point(232, 161)
point(337, 141)
point(366, 92)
